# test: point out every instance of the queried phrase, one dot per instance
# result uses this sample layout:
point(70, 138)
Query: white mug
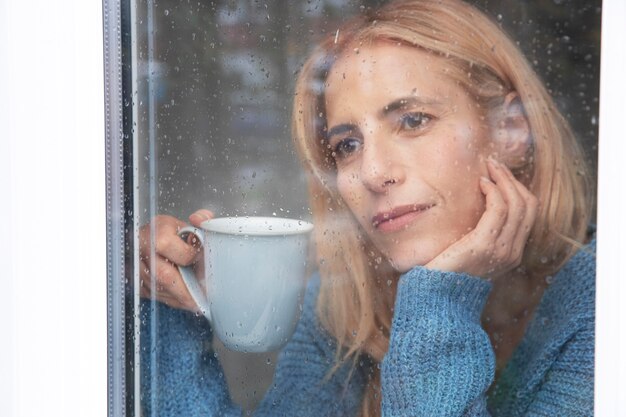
point(254, 279)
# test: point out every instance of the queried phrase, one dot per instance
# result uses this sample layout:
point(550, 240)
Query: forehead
point(385, 71)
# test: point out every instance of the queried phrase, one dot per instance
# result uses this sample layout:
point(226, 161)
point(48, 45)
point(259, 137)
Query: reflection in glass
point(211, 96)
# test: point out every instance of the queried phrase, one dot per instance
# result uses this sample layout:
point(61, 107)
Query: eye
point(415, 120)
point(346, 147)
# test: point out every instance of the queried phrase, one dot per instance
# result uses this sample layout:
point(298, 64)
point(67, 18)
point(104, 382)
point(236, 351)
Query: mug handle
point(189, 277)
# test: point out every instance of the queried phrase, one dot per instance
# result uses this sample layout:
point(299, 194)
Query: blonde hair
point(358, 285)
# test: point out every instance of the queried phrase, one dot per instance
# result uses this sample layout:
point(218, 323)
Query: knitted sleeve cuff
point(460, 293)
point(179, 328)
point(440, 361)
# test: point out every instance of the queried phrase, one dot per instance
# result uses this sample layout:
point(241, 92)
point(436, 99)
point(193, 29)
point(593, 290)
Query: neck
point(508, 311)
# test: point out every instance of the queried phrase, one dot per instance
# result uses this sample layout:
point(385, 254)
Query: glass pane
point(445, 154)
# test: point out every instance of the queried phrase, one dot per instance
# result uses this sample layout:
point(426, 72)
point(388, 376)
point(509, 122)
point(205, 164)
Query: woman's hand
point(159, 274)
point(496, 245)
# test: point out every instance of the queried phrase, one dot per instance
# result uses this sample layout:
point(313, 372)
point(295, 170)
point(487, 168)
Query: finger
point(166, 241)
point(170, 282)
point(168, 300)
point(163, 298)
point(532, 208)
point(521, 188)
point(165, 285)
point(165, 272)
point(493, 219)
point(173, 248)
point(480, 242)
point(506, 183)
point(172, 303)
point(473, 253)
point(200, 216)
point(531, 204)
point(157, 292)
point(516, 206)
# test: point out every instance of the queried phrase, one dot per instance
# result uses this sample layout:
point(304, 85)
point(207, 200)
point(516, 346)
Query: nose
point(381, 167)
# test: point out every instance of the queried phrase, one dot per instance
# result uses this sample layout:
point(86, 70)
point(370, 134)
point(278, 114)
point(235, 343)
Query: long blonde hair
point(357, 291)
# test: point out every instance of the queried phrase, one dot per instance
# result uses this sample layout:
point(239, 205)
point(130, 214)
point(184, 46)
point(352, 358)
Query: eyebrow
point(410, 101)
point(340, 129)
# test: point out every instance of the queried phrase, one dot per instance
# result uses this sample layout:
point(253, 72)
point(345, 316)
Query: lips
point(398, 217)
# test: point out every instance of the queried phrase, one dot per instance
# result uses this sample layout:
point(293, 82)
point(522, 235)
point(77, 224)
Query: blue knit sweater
point(440, 361)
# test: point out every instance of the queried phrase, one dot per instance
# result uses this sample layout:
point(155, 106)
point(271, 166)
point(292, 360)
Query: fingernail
point(494, 162)
point(485, 179)
point(198, 217)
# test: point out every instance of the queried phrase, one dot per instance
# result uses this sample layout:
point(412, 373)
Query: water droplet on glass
point(166, 12)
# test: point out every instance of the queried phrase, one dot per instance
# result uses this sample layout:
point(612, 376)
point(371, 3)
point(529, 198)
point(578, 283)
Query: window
point(207, 96)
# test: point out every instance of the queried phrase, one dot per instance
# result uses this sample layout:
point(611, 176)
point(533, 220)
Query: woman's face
point(410, 147)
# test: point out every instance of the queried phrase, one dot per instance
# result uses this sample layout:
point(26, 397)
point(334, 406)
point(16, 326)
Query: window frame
point(610, 341)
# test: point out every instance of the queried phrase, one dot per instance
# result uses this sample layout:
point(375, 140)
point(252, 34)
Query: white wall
point(52, 211)
point(611, 283)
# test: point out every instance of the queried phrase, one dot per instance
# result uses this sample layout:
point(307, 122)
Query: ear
point(511, 133)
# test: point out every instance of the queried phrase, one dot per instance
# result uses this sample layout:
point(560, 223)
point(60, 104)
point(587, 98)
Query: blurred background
point(208, 91)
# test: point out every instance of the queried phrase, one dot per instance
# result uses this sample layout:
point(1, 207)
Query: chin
point(403, 264)
point(404, 259)
point(401, 267)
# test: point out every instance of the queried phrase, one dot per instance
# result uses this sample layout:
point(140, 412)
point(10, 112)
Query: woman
point(451, 203)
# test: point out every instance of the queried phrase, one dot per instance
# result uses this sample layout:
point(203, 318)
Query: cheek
point(348, 187)
point(469, 143)
point(467, 204)
point(460, 163)
point(462, 154)
point(343, 186)
point(452, 173)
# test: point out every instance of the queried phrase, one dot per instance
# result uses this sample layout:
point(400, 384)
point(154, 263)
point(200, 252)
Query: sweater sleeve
point(305, 384)
point(552, 371)
point(567, 388)
point(181, 376)
point(440, 361)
